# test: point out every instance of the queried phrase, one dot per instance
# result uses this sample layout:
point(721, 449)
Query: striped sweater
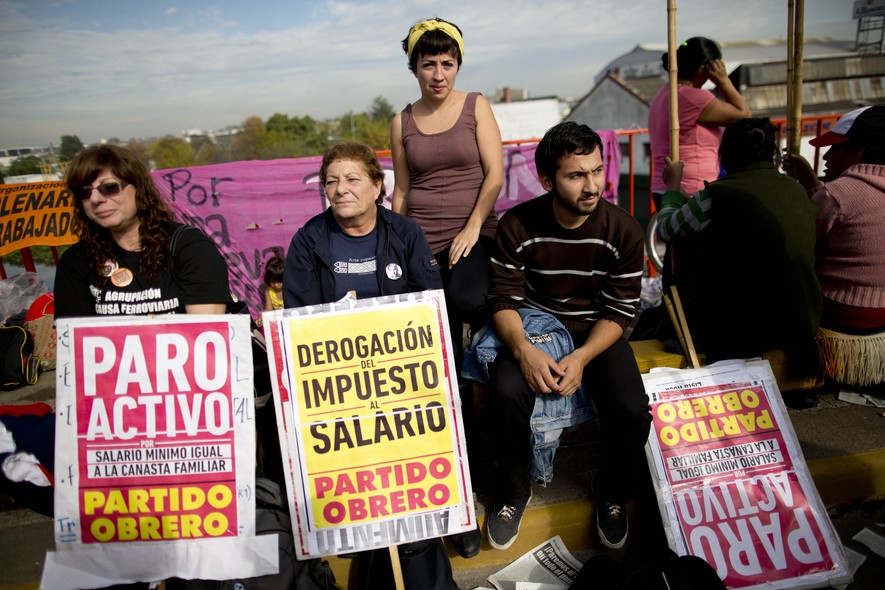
point(580, 276)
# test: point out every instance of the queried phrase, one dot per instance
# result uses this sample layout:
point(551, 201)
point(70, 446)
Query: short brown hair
point(358, 152)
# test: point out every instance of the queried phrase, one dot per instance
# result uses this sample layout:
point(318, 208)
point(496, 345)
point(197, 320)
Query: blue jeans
point(612, 381)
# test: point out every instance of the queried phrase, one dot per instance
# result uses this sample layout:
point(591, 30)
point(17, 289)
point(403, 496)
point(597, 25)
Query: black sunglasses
point(107, 189)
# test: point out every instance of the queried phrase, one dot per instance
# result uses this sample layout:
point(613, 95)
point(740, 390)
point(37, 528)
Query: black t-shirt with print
point(200, 277)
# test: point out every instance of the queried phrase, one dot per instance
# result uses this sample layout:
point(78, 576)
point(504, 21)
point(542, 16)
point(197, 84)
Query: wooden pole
point(791, 11)
point(683, 325)
point(798, 55)
point(673, 81)
point(677, 325)
point(397, 568)
point(673, 70)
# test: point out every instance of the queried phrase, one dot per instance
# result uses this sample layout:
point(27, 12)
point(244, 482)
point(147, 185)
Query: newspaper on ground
point(855, 559)
point(874, 541)
point(860, 399)
point(550, 564)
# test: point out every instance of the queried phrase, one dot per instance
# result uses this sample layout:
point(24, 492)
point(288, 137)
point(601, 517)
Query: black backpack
point(18, 365)
point(271, 517)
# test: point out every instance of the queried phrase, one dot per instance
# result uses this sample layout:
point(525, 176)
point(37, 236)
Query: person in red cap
point(851, 220)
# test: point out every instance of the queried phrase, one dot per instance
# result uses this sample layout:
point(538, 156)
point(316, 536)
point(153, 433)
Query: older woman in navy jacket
point(356, 246)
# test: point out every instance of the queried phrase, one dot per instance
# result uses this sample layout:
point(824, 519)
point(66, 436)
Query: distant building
point(521, 117)
point(836, 79)
point(29, 178)
point(204, 140)
point(9, 155)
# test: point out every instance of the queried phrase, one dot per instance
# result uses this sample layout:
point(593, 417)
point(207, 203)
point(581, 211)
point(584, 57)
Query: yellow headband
point(433, 25)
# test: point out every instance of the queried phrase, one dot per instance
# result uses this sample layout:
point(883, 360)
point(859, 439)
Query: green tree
point(361, 127)
point(24, 165)
point(313, 137)
point(306, 136)
point(271, 145)
point(381, 110)
point(209, 153)
point(140, 150)
point(171, 152)
point(278, 122)
point(375, 134)
point(244, 145)
point(70, 147)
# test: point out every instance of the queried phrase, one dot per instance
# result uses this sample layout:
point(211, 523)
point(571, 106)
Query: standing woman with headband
point(449, 168)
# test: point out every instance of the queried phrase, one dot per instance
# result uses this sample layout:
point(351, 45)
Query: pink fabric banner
point(249, 208)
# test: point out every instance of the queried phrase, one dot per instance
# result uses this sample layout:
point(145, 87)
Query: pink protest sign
point(155, 452)
point(731, 480)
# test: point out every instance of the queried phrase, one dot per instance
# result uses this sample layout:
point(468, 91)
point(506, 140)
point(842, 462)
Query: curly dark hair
point(155, 216)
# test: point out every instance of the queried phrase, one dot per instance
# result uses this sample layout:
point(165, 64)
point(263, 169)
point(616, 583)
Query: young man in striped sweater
point(576, 256)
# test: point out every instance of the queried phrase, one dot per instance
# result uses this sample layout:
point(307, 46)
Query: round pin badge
point(121, 277)
point(109, 267)
point(394, 271)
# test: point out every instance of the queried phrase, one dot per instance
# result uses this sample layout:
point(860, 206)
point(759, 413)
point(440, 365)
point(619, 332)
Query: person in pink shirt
point(702, 116)
point(850, 220)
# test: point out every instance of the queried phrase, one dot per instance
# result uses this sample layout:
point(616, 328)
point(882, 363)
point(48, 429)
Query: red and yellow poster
point(155, 448)
point(36, 214)
point(732, 482)
point(370, 417)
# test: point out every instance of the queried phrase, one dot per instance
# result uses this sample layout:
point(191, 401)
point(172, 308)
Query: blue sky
point(140, 68)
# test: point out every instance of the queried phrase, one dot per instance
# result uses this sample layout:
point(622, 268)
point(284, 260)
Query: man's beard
point(580, 207)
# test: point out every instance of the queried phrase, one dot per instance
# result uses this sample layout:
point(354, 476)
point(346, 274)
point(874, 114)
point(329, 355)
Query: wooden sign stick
point(397, 568)
point(674, 320)
point(680, 314)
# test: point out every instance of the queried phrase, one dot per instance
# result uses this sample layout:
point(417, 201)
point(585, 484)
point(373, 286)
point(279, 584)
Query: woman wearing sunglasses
point(123, 263)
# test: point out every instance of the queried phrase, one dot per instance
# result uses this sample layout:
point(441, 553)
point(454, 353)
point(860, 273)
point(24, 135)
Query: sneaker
point(611, 524)
point(504, 524)
point(467, 544)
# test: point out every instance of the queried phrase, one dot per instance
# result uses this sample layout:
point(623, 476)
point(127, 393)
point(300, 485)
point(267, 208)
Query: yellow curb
point(570, 520)
point(849, 478)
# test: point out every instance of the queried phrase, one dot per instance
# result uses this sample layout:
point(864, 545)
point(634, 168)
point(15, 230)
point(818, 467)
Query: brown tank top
point(445, 175)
